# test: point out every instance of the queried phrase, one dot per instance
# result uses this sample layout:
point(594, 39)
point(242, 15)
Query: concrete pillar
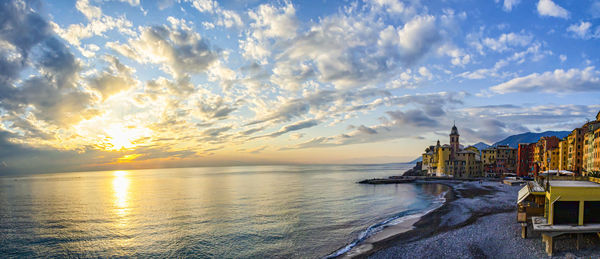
point(549, 245)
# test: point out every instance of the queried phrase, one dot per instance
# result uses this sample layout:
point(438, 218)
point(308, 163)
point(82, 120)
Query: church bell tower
point(454, 144)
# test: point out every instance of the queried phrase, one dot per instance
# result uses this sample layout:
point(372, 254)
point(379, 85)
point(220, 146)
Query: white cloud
point(227, 18)
point(270, 22)
point(549, 8)
point(392, 6)
point(507, 40)
point(509, 4)
point(563, 58)
point(580, 30)
point(91, 12)
point(557, 81)
point(423, 71)
point(116, 78)
point(178, 47)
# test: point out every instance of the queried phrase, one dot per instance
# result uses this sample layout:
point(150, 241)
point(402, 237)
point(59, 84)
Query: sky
point(100, 84)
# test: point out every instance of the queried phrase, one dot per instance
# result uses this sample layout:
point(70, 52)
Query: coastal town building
point(571, 207)
point(563, 154)
point(552, 157)
point(596, 151)
point(525, 159)
point(589, 139)
point(575, 148)
point(543, 153)
point(498, 161)
point(451, 160)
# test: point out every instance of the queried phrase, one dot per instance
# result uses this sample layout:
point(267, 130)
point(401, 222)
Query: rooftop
point(557, 183)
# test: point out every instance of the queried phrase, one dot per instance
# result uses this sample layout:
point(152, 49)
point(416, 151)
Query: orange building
point(543, 153)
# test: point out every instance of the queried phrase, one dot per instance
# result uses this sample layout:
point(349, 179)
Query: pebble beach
point(477, 221)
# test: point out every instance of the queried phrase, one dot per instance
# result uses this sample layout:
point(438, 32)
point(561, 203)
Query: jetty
point(389, 180)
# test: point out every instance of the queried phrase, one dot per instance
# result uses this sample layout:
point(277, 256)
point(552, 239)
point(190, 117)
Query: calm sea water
point(217, 212)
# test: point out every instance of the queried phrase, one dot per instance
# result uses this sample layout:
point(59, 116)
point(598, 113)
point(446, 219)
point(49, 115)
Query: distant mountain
point(416, 160)
point(529, 137)
point(481, 146)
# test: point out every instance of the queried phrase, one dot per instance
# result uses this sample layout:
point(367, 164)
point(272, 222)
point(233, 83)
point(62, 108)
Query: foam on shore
point(389, 228)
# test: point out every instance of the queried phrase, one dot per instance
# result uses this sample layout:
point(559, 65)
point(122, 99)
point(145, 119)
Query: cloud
point(53, 95)
point(414, 39)
point(509, 4)
point(213, 108)
point(563, 58)
point(413, 118)
point(270, 22)
point(349, 49)
point(323, 104)
point(214, 132)
point(507, 40)
point(227, 18)
point(557, 81)
point(549, 8)
point(115, 79)
point(98, 24)
point(366, 130)
point(582, 30)
point(91, 12)
point(178, 47)
point(294, 127)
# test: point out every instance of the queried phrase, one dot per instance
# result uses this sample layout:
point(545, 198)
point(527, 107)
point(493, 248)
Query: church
point(451, 160)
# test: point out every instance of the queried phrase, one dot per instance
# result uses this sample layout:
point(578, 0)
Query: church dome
point(454, 130)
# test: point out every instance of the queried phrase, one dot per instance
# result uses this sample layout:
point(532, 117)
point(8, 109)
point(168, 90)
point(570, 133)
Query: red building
point(525, 159)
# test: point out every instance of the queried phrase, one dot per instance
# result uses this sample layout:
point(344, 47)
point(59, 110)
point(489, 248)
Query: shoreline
point(408, 224)
point(457, 211)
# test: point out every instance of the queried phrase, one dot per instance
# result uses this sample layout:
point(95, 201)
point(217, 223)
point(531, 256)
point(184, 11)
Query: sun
point(118, 137)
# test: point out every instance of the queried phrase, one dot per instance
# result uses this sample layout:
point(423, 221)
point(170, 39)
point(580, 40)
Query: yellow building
point(596, 152)
point(466, 164)
point(571, 207)
point(488, 156)
point(538, 157)
point(566, 202)
point(443, 160)
point(563, 153)
point(450, 160)
point(588, 152)
point(589, 138)
point(554, 155)
point(575, 152)
point(542, 152)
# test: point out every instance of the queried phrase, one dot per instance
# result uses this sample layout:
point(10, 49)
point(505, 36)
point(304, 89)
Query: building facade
point(543, 153)
point(450, 160)
point(525, 159)
point(563, 154)
point(575, 150)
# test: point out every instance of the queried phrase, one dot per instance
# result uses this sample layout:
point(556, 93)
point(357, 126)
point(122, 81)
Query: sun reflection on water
point(121, 192)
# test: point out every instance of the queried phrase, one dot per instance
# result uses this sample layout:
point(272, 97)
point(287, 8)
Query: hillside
point(481, 145)
point(529, 137)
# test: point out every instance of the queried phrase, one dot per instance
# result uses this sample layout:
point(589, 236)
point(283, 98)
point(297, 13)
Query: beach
point(478, 220)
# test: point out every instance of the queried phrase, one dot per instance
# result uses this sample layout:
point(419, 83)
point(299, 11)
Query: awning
point(529, 189)
point(523, 194)
point(557, 172)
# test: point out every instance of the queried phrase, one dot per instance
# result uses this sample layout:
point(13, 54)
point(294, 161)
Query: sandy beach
point(478, 220)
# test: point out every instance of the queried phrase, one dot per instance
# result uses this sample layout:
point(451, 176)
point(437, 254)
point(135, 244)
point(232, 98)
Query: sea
point(282, 211)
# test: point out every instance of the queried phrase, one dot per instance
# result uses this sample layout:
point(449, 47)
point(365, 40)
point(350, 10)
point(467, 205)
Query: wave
point(397, 219)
